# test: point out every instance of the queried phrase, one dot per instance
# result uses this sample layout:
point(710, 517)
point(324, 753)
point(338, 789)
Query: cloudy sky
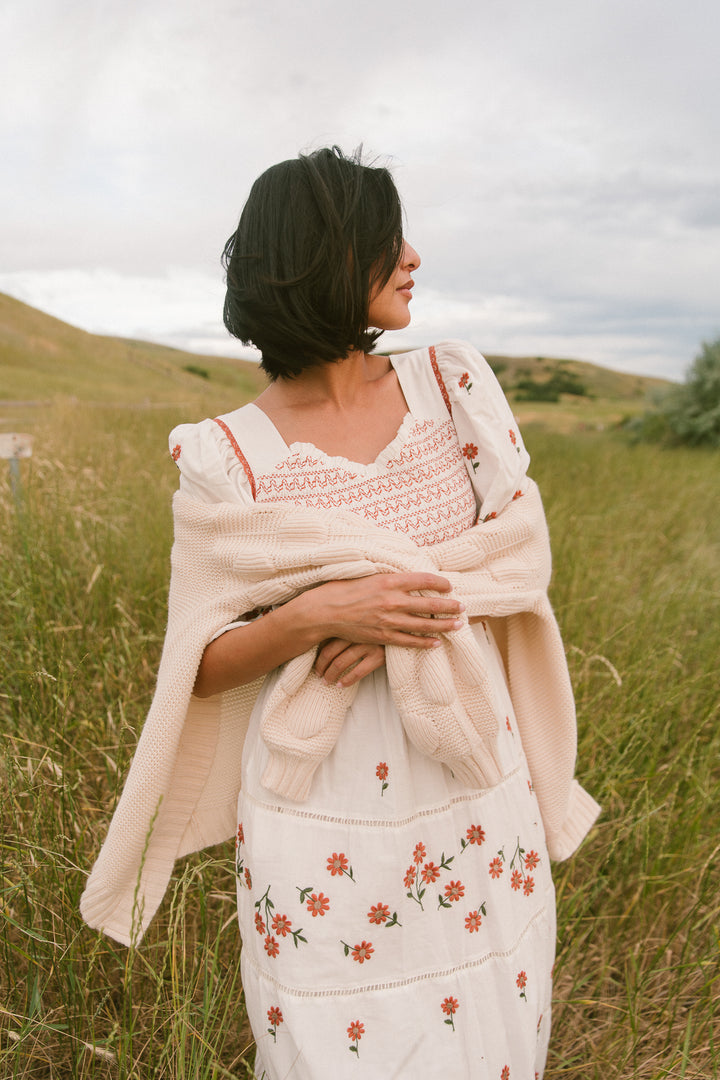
point(559, 162)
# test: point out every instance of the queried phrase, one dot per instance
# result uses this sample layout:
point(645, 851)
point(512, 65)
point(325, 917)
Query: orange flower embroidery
point(515, 880)
point(513, 438)
point(318, 904)
point(528, 886)
point(473, 922)
point(379, 913)
point(419, 853)
point(470, 451)
point(496, 867)
point(248, 879)
point(281, 925)
point(355, 1033)
point(240, 839)
point(409, 879)
point(338, 864)
point(505, 1074)
point(531, 860)
point(382, 771)
point(175, 452)
point(259, 924)
point(275, 1016)
point(430, 872)
point(271, 946)
point(362, 952)
point(454, 890)
point(450, 1006)
point(475, 834)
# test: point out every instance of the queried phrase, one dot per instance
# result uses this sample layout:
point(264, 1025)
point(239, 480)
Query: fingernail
point(457, 624)
point(462, 607)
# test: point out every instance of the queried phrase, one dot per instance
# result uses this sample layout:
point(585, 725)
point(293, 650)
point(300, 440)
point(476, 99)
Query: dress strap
point(238, 453)
point(438, 376)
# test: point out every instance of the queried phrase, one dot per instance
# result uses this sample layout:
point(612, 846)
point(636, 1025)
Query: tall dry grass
point(83, 578)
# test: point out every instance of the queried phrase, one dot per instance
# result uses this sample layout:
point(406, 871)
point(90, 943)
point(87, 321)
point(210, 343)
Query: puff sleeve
point(489, 436)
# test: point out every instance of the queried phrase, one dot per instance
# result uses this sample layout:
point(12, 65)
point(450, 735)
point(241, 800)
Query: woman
point(360, 641)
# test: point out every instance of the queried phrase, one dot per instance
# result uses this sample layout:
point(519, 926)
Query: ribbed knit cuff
point(289, 777)
point(582, 814)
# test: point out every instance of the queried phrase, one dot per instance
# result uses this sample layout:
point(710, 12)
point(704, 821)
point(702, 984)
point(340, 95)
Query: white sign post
point(13, 446)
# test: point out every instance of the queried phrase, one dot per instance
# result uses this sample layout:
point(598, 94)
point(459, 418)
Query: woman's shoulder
point(210, 457)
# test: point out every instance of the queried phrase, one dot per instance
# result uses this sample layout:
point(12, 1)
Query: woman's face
point(389, 305)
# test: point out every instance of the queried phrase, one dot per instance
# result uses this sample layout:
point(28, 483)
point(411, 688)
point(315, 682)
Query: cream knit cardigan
point(227, 559)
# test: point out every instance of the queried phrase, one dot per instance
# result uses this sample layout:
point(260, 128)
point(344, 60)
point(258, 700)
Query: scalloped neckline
point(337, 461)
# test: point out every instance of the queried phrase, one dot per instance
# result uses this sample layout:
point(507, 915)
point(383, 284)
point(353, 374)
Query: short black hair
point(316, 234)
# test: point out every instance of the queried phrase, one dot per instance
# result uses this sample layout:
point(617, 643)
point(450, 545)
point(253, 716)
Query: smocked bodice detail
point(417, 485)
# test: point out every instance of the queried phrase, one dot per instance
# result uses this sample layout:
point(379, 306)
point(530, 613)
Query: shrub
point(689, 413)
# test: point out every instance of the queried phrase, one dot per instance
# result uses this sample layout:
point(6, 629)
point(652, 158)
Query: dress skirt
point(397, 924)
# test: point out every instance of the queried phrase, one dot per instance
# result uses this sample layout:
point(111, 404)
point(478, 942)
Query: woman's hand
point(369, 612)
point(380, 609)
point(343, 663)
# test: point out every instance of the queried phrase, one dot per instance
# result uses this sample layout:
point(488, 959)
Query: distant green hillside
point(42, 357)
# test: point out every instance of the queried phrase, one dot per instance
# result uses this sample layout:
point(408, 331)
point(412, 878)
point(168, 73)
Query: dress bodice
point(417, 485)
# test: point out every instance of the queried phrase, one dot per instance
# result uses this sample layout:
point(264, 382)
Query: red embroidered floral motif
point(505, 1074)
point(419, 853)
point(248, 879)
point(318, 904)
point(275, 1017)
point(473, 922)
point(513, 438)
point(259, 924)
point(516, 880)
point(470, 451)
point(379, 913)
point(281, 925)
point(240, 839)
point(355, 1033)
point(517, 495)
point(430, 872)
point(338, 864)
point(454, 890)
point(381, 772)
point(362, 952)
point(464, 381)
point(496, 867)
point(409, 879)
point(450, 1006)
point(507, 724)
point(528, 886)
point(474, 835)
point(531, 860)
point(175, 452)
point(271, 946)
point(521, 983)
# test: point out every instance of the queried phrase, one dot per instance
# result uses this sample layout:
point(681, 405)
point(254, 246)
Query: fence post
point(13, 446)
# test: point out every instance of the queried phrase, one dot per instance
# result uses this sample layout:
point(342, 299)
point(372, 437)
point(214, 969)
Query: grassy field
point(83, 574)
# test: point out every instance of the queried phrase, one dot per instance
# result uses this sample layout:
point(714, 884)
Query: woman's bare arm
point(379, 610)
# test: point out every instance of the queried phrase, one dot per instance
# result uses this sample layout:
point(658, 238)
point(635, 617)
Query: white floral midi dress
point(397, 923)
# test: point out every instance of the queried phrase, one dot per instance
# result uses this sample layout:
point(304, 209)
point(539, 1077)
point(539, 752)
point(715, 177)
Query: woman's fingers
point(352, 662)
point(328, 652)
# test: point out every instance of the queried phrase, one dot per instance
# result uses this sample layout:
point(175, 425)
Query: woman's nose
point(410, 257)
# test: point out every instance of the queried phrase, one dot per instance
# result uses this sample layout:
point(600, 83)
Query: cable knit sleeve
point(210, 469)
point(494, 452)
